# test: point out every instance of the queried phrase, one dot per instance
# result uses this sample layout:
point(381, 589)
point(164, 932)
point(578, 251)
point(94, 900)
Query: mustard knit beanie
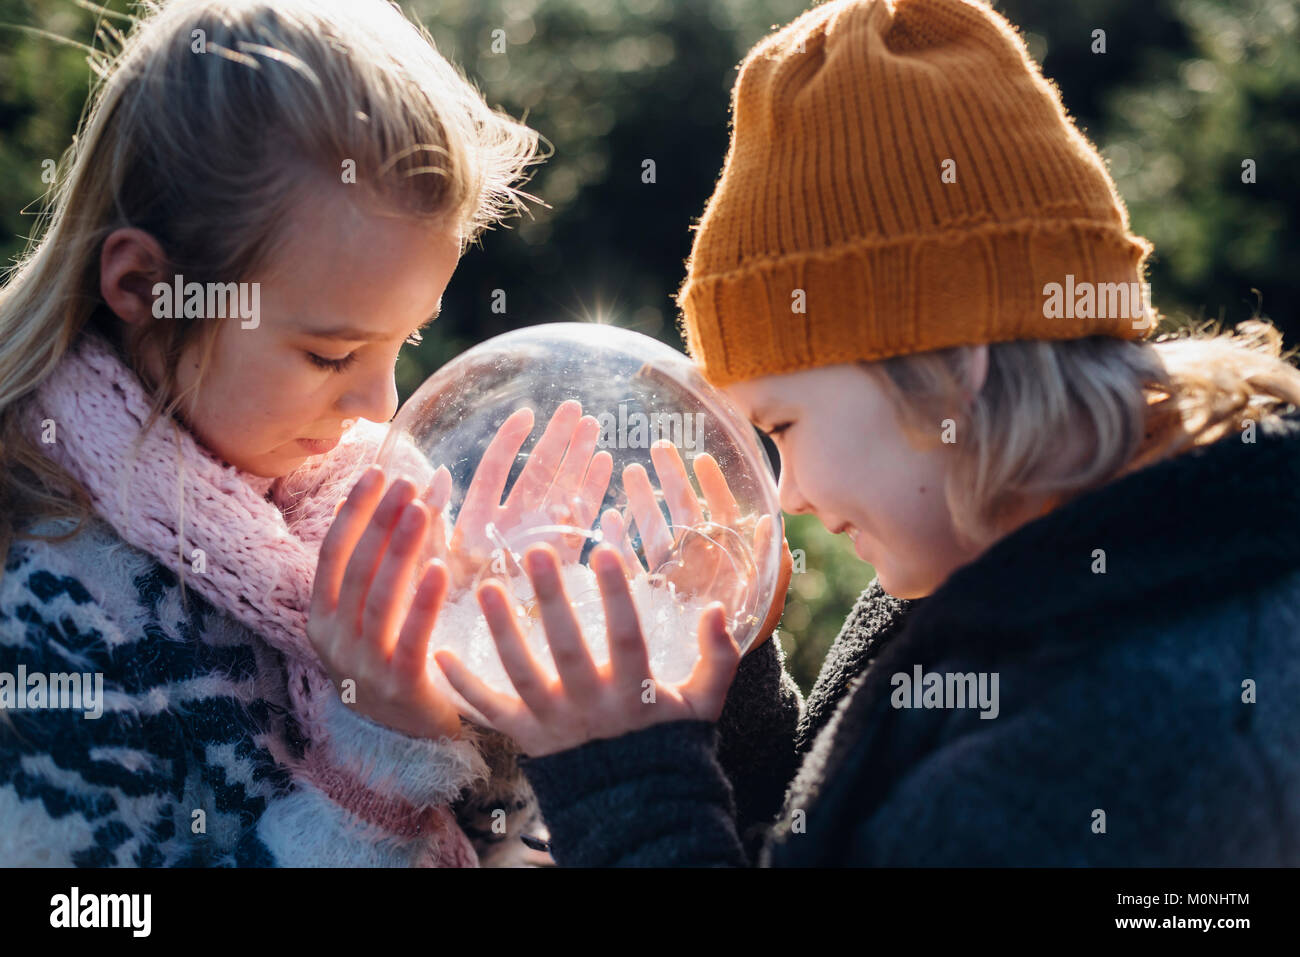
point(902, 178)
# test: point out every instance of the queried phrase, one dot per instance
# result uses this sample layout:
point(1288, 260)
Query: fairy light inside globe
point(576, 434)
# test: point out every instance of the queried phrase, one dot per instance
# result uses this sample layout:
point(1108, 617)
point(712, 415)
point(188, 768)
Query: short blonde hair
point(1126, 403)
point(206, 129)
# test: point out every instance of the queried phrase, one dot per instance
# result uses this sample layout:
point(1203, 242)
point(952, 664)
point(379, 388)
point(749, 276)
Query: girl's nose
point(375, 399)
point(792, 502)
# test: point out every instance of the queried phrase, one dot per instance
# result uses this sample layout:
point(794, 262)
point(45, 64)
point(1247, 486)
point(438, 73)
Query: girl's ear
point(131, 261)
point(977, 369)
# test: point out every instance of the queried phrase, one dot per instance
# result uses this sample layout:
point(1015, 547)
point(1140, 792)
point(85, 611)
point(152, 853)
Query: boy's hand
point(562, 485)
point(706, 562)
point(586, 701)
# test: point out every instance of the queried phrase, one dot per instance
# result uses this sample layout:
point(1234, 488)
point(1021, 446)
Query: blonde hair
point(205, 130)
point(1055, 419)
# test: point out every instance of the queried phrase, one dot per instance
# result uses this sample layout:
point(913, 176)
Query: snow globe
point(576, 434)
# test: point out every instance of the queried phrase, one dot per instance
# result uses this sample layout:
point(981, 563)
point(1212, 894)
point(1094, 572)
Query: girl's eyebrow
point(356, 334)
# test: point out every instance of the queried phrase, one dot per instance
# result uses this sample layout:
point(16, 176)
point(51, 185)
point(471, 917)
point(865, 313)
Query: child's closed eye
point(338, 365)
point(333, 365)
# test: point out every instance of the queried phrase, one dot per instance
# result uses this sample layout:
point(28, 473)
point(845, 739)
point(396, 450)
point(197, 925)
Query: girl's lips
point(318, 446)
point(846, 529)
point(854, 537)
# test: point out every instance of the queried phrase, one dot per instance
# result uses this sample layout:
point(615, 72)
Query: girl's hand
point(562, 484)
point(705, 565)
point(587, 701)
point(363, 578)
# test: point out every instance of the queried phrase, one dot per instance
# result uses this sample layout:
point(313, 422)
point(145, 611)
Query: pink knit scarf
point(259, 537)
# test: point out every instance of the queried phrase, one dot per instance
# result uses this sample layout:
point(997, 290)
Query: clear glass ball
point(642, 453)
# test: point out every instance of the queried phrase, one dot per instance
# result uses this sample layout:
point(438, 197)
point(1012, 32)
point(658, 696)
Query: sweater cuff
point(653, 797)
point(419, 770)
point(605, 762)
point(756, 687)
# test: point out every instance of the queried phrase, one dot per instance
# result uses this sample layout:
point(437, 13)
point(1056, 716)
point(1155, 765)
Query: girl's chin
point(884, 574)
point(272, 466)
point(906, 587)
point(860, 547)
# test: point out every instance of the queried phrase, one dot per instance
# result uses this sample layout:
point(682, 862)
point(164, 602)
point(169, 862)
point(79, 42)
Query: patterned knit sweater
point(196, 718)
point(187, 765)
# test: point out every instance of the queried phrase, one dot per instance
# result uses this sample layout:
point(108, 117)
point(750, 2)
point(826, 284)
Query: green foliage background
point(1186, 90)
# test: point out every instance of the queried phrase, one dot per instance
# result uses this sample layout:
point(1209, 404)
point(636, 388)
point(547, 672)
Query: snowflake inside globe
point(575, 434)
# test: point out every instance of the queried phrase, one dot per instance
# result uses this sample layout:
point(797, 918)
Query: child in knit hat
point(266, 200)
point(917, 276)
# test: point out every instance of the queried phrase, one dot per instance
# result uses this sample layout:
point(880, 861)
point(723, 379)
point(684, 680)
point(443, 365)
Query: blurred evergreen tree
point(44, 81)
point(1206, 154)
point(1185, 93)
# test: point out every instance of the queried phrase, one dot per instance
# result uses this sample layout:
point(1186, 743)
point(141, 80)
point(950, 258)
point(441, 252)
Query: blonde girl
point(264, 202)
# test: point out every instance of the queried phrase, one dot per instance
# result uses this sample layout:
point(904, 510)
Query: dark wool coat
point(1147, 715)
